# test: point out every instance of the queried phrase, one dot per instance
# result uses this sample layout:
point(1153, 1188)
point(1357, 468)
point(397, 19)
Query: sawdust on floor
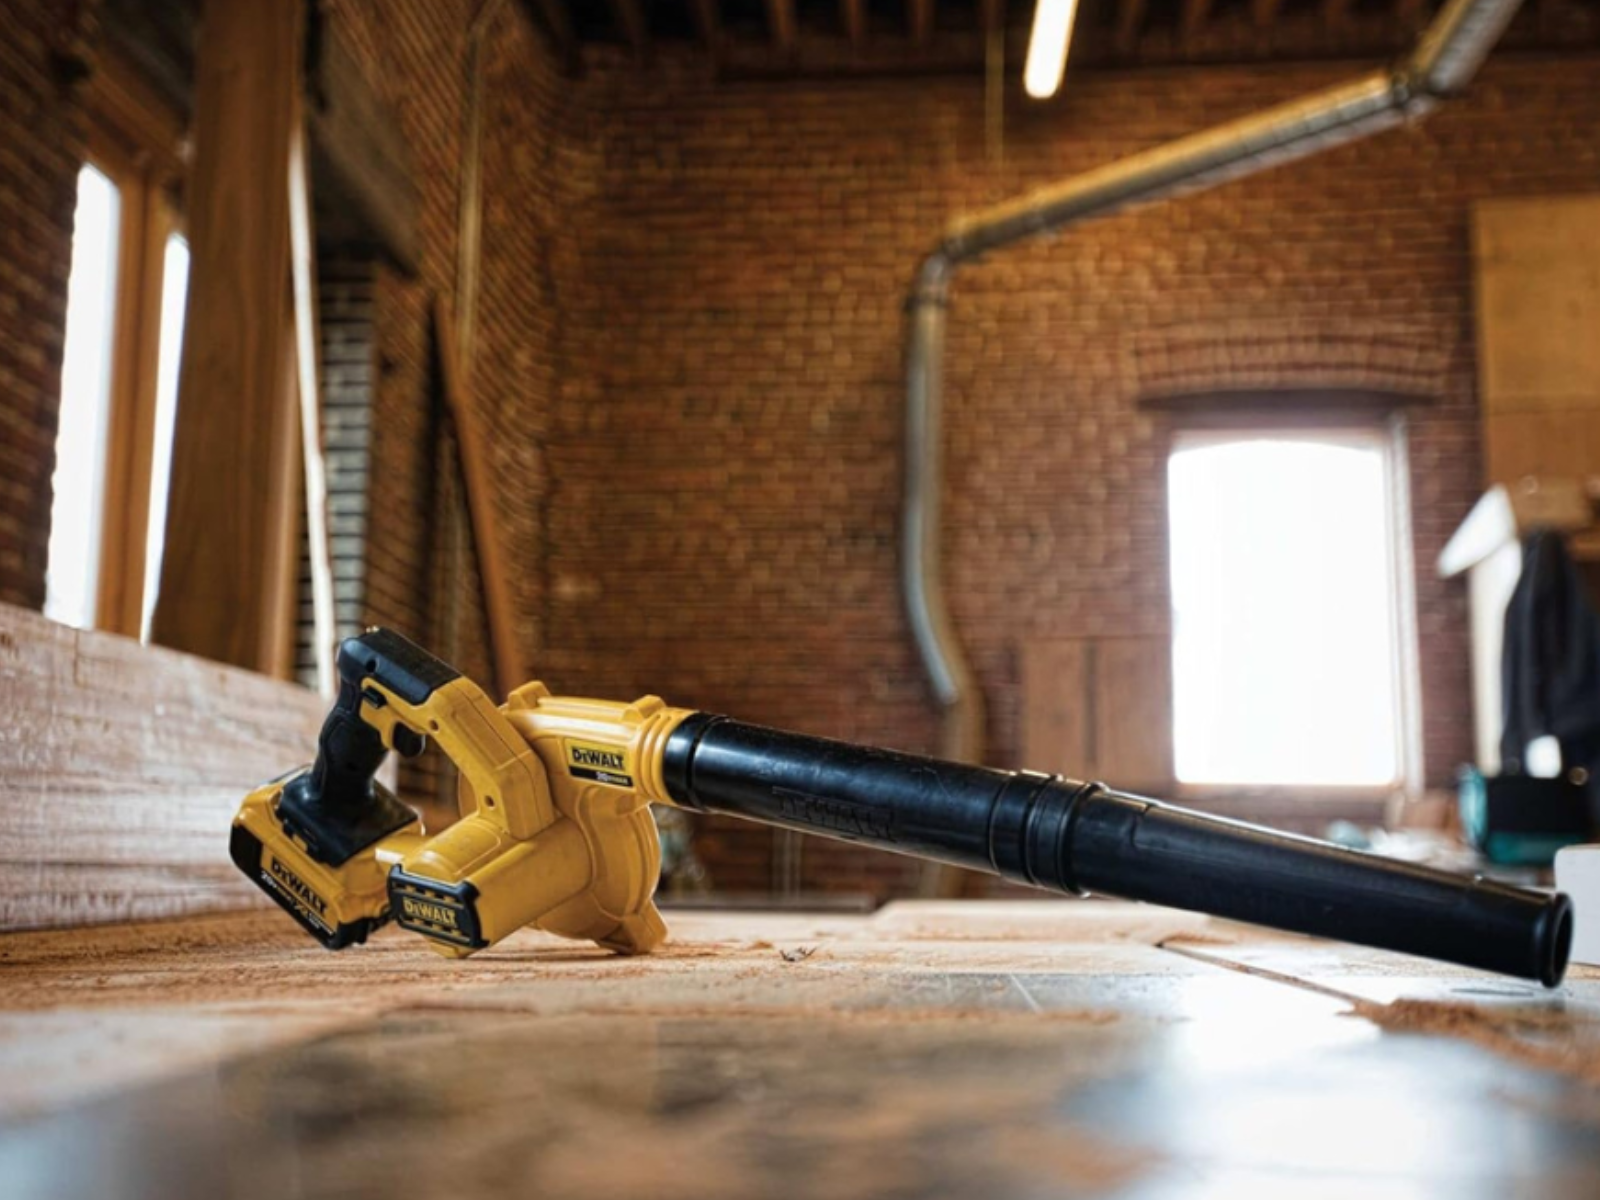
point(1512, 1034)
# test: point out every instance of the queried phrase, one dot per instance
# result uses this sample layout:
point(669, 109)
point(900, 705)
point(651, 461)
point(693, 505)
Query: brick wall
point(689, 358)
point(346, 286)
point(422, 575)
point(417, 56)
point(727, 458)
point(41, 149)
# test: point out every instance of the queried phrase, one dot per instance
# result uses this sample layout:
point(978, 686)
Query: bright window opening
point(72, 575)
point(174, 300)
point(1286, 655)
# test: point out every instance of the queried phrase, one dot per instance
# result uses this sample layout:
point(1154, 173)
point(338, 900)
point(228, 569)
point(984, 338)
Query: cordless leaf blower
point(556, 831)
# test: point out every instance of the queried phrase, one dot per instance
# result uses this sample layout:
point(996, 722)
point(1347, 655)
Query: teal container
point(1521, 821)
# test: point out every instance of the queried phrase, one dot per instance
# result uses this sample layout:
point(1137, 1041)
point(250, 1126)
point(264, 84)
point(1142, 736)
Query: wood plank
point(142, 120)
point(992, 15)
point(1099, 708)
point(120, 769)
point(1412, 13)
point(1133, 712)
point(308, 359)
point(222, 512)
point(920, 17)
point(94, 1011)
point(1336, 13)
point(1057, 732)
point(1538, 302)
point(1195, 15)
point(781, 23)
point(1542, 443)
point(1130, 24)
point(556, 22)
point(630, 17)
point(366, 192)
point(1264, 12)
point(708, 22)
point(280, 586)
point(478, 481)
point(854, 15)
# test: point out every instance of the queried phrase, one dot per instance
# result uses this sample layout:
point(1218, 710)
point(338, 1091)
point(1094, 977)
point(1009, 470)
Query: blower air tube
point(1073, 837)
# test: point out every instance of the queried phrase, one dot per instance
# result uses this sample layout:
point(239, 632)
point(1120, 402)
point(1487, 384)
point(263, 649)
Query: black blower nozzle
point(1082, 837)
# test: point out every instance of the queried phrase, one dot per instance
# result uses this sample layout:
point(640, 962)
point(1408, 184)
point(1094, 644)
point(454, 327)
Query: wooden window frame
point(139, 142)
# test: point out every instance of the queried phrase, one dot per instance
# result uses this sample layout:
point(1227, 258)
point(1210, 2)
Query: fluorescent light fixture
point(1047, 48)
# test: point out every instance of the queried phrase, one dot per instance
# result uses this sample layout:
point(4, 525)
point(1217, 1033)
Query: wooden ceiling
point(863, 37)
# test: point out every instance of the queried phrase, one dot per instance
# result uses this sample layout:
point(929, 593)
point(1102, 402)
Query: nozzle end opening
point(1555, 940)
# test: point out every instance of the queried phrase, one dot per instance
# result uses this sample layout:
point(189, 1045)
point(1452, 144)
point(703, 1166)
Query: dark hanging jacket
point(1551, 660)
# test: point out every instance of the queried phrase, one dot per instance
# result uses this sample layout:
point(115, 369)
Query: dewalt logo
point(302, 891)
point(433, 914)
point(600, 760)
point(845, 817)
point(603, 764)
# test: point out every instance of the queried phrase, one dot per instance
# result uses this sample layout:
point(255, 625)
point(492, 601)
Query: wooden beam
point(1130, 24)
point(366, 192)
point(280, 573)
point(921, 19)
point(708, 21)
point(478, 481)
point(556, 20)
point(781, 21)
point(992, 15)
point(1195, 13)
point(630, 15)
point(308, 360)
point(222, 513)
point(121, 768)
point(854, 15)
point(1413, 13)
point(1265, 12)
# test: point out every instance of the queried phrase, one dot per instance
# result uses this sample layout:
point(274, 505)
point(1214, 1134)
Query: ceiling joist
point(1195, 13)
point(630, 18)
point(821, 38)
point(707, 23)
point(853, 13)
point(781, 22)
point(555, 19)
point(1130, 24)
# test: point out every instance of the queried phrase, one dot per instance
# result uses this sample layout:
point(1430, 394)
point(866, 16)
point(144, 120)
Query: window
point(73, 572)
point(174, 299)
point(125, 309)
point(1288, 653)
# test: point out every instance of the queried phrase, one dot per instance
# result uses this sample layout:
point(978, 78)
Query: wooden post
point(308, 356)
point(478, 483)
point(226, 501)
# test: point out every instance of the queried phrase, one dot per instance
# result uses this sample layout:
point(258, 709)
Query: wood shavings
point(1513, 1034)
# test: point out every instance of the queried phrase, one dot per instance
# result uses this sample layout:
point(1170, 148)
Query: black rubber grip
point(337, 807)
point(399, 664)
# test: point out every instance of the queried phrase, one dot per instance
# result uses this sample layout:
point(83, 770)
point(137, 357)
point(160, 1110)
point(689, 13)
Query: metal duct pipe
point(1446, 56)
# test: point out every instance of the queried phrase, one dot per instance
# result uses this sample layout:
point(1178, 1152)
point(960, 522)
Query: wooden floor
point(1003, 1049)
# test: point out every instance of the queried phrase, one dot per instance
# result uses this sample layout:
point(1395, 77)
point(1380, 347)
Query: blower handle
point(338, 807)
